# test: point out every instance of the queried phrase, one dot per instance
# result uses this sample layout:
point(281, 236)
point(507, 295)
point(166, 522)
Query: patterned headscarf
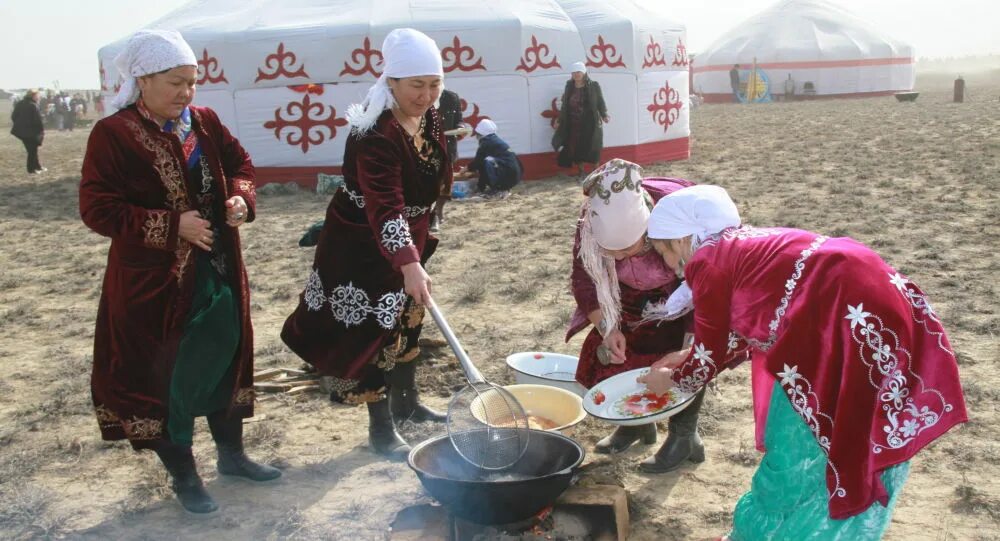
point(148, 52)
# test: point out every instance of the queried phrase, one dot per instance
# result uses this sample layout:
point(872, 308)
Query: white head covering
point(698, 211)
point(405, 53)
point(486, 127)
point(148, 52)
point(614, 218)
point(579, 66)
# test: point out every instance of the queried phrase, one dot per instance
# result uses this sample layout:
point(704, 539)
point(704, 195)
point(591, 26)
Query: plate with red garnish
point(621, 400)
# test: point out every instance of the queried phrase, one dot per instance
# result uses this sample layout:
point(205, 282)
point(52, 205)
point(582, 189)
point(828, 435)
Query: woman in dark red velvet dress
point(360, 313)
point(170, 186)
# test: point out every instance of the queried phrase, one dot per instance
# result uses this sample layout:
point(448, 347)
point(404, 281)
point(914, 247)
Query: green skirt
point(202, 380)
point(788, 496)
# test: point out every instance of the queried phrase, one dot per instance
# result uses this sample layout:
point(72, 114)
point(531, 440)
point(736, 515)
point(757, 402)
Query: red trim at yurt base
point(536, 166)
point(810, 64)
point(728, 96)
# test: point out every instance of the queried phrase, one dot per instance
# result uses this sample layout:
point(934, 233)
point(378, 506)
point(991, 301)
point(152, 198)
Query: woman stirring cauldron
point(858, 372)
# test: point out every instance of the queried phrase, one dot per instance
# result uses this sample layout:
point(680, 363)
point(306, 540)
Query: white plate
point(545, 368)
point(627, 402)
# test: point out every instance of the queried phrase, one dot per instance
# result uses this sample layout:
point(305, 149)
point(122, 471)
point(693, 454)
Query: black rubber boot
point(228, 435)
point(382, 435)
point(624, 436)
point(404, 398)
point(185, 481)
point(683, 442)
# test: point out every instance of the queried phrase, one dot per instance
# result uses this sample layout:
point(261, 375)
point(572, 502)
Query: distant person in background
point(734, 82)
point(29, 128)
point(99, 104)
point(62, 112)
point(495, 164)
point(579, 136)
point(78, 105)
point(450, 109)
point(789, 88)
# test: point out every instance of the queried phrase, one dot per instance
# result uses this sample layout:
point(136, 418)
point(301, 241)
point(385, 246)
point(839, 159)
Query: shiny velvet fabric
point(133, 190)
point(351, 305)
point(643, 279)
point(855, 346)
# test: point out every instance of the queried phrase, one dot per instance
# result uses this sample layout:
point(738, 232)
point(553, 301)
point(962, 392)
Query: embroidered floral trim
point(156, 228)
point(922, 309)
point(245, 396)
point(906, 417)
point(396, 234)
point(413, 212)
point(314, 296)
point(143, 429)
point(735, 344)
point(359, 201)
point(247, 187)
point(356, 399)
point(790, 285)
point(351, 306)
point(702, 372)
point(341, 385)
point(356, 198)
point(806, 403)
point(105, 417)
point(742, 232)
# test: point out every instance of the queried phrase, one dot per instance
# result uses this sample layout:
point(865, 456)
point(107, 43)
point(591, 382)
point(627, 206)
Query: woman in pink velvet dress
point(621, 285)
point(853, 372)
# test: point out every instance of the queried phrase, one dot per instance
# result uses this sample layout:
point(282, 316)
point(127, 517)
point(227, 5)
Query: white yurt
point(813, 41)
point(281, 73)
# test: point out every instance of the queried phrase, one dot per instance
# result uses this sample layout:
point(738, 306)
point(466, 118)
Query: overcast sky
point(57, 40)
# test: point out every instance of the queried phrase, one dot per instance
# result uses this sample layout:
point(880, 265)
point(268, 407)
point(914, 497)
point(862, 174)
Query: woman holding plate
point(621, 286)
point(859, 375)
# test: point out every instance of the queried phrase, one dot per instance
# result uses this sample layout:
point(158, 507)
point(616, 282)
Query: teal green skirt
point(788, 496)
point(202, 381)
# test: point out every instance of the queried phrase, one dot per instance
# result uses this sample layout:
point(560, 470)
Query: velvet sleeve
point(236, 164)
point(581, 284)
point(380, 178)
point(712, 290)
point(477, 163)
point(104, 207)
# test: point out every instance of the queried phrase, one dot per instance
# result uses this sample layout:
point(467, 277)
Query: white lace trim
point(905, 417)
point(790, 285)
point(396, 234)
point(740, 233)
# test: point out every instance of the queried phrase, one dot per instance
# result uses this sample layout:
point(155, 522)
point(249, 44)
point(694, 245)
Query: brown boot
point(624, 436)
point(683, 442)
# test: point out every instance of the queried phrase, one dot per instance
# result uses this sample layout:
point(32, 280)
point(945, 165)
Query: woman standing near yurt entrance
point(360, 314)
point(579, 136)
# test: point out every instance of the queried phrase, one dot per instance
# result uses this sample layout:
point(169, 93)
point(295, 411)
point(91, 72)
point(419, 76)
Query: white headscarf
point(578, 66)
point(486, 127)
point(698, 211)
point(614, 218)
point(148, 52)
point(405, 53)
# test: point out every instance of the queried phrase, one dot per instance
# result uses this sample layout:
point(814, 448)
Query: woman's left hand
point(658, 380)
point(236, 211)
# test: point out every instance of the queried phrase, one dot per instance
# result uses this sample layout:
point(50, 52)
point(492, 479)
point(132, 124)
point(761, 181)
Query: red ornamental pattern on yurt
point(666, 106)
point(602, 55)
point(681, 55)
point(654, 55)
point(209, 70)
point(552, 113)
point(474, 117)
point(363, 60)
point(535, 57)
point(308, 123)
point(280, 64)
point(456, 56)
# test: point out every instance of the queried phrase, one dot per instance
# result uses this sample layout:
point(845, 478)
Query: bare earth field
point(917, 181)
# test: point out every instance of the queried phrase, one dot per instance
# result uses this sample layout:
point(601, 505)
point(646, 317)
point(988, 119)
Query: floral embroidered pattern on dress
point(105, 417)
point(314, 294)
point(805, 402)
point(245, 396)
point(359, 201)
point(143, 429)
point(396, 234)
point(702, 373)
point(907, 414)
point(351, 306)
point(156, 228)
point(356, 198)
point(922, 309)
point(790, 285)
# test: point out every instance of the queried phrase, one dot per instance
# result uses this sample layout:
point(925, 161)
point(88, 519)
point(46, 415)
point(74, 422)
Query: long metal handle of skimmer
point(471, 371)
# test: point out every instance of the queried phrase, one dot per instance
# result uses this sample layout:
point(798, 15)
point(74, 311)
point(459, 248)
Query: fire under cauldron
point(498, 497)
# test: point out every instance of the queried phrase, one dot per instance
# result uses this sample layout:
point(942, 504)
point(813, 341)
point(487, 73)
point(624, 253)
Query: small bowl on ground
point(546, 368)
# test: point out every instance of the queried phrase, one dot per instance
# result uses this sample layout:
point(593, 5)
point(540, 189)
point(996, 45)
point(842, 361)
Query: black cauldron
point(498, 497)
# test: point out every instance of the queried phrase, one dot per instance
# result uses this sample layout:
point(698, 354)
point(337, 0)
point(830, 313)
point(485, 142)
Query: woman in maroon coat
point(621, 286)
point(170, 186)
point(359, 316)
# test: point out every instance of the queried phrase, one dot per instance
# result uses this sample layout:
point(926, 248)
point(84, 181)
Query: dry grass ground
point(916, 181)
